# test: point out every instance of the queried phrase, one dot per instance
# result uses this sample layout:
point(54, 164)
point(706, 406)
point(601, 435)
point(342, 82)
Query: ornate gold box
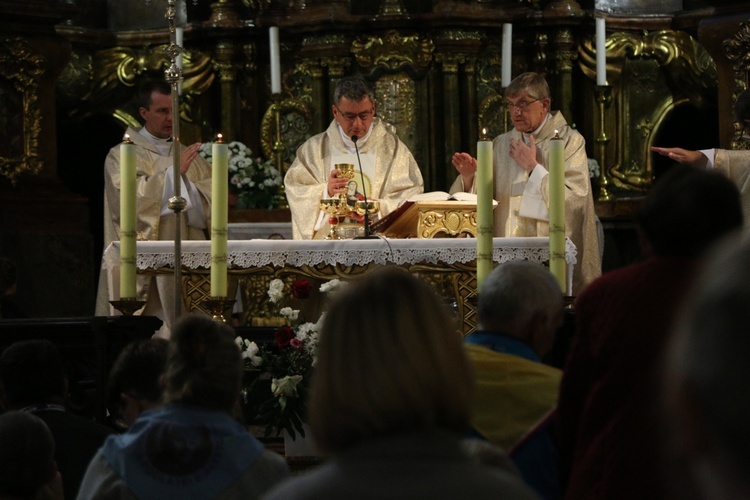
point(430, 219)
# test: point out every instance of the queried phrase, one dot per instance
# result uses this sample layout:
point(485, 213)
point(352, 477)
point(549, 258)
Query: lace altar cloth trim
point(257, 253)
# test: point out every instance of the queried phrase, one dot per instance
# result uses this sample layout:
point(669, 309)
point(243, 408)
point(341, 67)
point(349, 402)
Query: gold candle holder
point(603, 99)
point(278, 148)
point(128, 305)
point(218, 307)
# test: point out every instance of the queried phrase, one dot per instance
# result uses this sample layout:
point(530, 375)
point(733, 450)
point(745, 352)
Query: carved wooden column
point(249, 91)
point(564, 55)
point(452, 122)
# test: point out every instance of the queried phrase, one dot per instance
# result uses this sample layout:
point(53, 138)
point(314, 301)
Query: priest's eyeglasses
point(521, 105)
point(350, 117)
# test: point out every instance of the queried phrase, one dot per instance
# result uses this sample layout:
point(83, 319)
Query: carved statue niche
point(653, 75)
point(20, 116)
point(396, 62)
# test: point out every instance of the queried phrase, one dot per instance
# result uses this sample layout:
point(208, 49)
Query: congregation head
point(687, 211)
point(707, 370)
point(522, 299)
point(32, 372)
point(204, 366)
point(389, 360)
point(27, 460)
point(135, 377)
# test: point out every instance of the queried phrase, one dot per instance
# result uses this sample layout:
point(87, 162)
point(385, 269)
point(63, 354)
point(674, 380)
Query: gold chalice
point(370, 207)
point(335, 208)
point(346, 169)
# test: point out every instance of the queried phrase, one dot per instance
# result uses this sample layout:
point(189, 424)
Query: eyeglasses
point(521, 106)
point(350, 117)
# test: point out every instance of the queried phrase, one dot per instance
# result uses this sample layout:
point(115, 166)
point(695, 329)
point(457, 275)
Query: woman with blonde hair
point(390, 397)
point(191, 447)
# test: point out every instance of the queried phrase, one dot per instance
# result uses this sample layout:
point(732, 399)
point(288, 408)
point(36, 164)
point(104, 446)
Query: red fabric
point(608, 413)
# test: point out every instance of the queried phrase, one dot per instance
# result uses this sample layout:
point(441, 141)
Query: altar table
point(448, 264)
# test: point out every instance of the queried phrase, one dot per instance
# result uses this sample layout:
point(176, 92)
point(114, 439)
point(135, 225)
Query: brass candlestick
point(278, 148)
point(128, 305)
point(219, 307)
point(603, 99)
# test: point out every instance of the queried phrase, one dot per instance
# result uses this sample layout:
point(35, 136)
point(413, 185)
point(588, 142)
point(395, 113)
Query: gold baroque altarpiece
point(20, 72)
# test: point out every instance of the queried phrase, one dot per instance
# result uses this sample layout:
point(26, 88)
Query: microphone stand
point(367, 235)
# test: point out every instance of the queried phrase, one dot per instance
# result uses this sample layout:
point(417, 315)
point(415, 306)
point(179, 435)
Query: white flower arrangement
point(255, 182)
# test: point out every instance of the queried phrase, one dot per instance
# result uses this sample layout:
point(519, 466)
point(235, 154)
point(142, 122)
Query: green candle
point(557, 209)
point(219, 217)
point(127, 218)
point(485, 190)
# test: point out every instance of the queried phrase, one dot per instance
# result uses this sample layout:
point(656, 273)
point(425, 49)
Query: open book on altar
point(431, 215)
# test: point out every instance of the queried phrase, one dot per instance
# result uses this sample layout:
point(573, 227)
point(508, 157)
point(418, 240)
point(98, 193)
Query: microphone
point(367, 235)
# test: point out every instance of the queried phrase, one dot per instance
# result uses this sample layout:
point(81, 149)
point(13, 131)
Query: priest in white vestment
point(520, 163)
point(391, 174)
point(154, 188)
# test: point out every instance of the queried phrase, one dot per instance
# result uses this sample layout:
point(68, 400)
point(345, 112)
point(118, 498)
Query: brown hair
point(204, 366)
point(390, 359)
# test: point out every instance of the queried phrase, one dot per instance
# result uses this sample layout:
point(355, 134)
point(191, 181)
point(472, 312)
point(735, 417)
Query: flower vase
point(299, 446)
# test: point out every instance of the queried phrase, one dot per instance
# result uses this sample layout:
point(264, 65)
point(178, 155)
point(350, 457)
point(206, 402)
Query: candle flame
point(219, 138)
point(126, 139)
point(557, 134)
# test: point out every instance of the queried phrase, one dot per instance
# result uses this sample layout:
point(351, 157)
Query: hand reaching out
point(466, 166)
point(187, 156)
point(683, 156)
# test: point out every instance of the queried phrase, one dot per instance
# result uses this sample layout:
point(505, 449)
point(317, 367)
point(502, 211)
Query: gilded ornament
point(393, 51)
point(21, 69)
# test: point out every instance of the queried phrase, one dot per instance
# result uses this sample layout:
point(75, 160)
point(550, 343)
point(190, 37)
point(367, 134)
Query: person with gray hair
point(521, 163)
point(191, 447)
point(706, 369)
point(390, 400)
point(520, 309)
point(390, 172)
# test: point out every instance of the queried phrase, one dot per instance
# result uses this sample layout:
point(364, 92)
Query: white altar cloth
point(256, 253)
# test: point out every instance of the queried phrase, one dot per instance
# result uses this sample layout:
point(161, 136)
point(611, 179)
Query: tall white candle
point(127, 218)
point(219, 217)
point(557, 209)
point(601, 52)
point(507, 55)
point(485, 190)
point(273, 39)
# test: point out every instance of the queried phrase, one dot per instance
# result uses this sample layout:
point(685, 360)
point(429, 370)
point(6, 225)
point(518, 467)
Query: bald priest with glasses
point(391, 175)
point(520, 168)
